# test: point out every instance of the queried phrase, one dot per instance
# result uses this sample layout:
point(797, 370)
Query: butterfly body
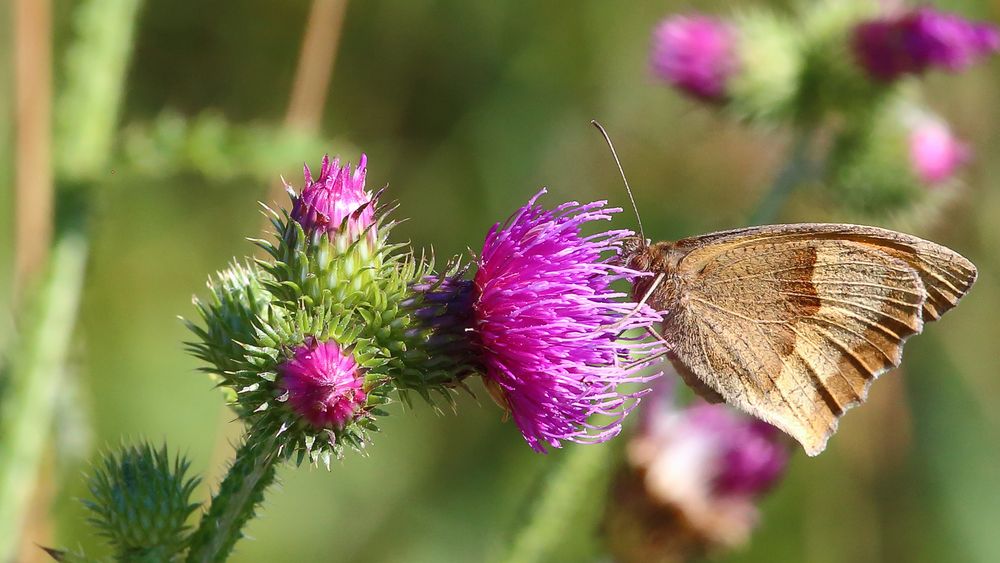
point(792, 323)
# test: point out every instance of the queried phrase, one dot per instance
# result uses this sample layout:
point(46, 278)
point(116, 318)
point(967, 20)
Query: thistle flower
point(935, 153)
point(324, 384)
point(917, 40)
point(547, 323)
point(696, 54)
point(691, 484)
point(338, 195)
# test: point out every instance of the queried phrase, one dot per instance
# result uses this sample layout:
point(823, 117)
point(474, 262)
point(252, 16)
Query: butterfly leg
point(649, 292)
point(659, 337)
point(638, 307)
point(646, 360)
point(661, 352)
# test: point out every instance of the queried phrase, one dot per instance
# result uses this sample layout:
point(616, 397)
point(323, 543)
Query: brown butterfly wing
point(792, 323)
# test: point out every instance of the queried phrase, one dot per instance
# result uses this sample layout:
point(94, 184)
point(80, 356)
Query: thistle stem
point(796, 170)
point(239, 495)
point(564, 503)
point(34, 379)
point(87, 107)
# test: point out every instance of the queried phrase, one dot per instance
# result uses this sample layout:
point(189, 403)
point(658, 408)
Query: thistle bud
point(140, 502)
point(751, 64)
point(935, 153)
point(311, 342)
point(324, 384)
point(336, 202)
point(881, 168)
point(695, 54)
point(236, 299)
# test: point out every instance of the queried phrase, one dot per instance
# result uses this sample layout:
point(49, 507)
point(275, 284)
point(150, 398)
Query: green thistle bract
point(236, 301)
point(440, 352)
point(140, 502)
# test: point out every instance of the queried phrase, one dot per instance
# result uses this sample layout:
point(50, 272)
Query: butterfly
point(792, 323)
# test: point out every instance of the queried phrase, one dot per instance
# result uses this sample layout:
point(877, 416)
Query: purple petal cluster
point(715, 450)
point(920, 39)
point(935, 153)
point(749, 456)
point(696, 54)
point(548, 324)
point(324, 384)
point(695, 476)
point(337, 194)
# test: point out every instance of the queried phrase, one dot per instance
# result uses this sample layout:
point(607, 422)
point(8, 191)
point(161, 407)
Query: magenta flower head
point(696, 54)
point(548, 324)
point(337, 195)
point(324, 384)
point(935, 153)
point(917, 40)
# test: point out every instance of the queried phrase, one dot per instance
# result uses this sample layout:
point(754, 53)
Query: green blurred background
point(465, 109)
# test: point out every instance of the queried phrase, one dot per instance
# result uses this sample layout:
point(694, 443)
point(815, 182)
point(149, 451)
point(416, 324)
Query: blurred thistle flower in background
point(830, 69)
point(883, 169)
point(935, 152)
point(692, 482)
point(696, 54)
point(324, 384)
point(917, 40)
point(338, 195)
point(548, 324)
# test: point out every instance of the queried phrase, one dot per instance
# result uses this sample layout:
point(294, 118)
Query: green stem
point(796, 170)
point(236, 502)
point(34, 381)
point(86, 109)
point(567, 497)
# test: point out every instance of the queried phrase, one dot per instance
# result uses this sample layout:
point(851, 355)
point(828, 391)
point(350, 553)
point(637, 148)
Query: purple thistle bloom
point(935, 152)
point(548, 324)
point(749, 456)
point(337, 194)
point(694, 476)
point(324, 384)
point(696, 54)
point(913, 42)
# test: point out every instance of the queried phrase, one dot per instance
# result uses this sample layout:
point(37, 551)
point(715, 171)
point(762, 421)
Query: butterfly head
point(645, 256)
point(656, 259)
point(635, 253)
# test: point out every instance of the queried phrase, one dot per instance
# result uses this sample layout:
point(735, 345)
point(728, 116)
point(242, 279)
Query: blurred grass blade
point(796, 170)
point(86, 112)
point(33, 384)
point(959, 462)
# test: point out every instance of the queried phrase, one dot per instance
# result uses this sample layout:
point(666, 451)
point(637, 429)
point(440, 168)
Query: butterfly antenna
point(614, 153)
